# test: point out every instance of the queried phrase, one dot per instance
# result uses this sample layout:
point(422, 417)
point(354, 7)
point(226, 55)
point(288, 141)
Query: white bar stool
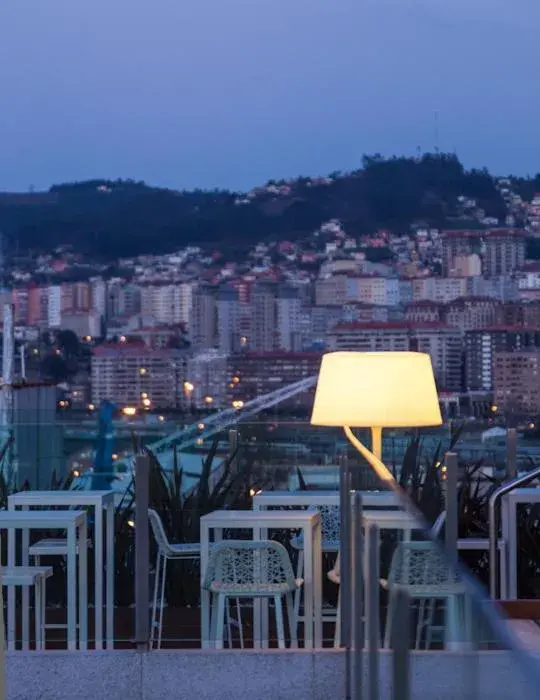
point(28, 577)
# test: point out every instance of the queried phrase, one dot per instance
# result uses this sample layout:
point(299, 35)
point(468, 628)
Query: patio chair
point(330, 538)
point(243, 569)
point(31, 577)
point(422, 570)
point(334, 575)
point(165, 552)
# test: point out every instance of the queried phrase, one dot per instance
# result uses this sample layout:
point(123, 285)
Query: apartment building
point(466, 266)
point(482, 345)
point(379, 291)
point(516, 383)
point(203, 321)
point(424, 312)
point(169, 304)
point(264, 330)
point(471, 312)
point(441, 342)
point(504, 251)
point(255, 374)
point(332, 291)
point(288, 310)
point(458, 244)
point(439, 289)
point(132, 374)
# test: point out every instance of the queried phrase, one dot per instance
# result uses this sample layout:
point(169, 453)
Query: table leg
point(98, 577)
point(72, 588)
point(205, 595)
point(317, 588)
point(83, 587)
point(11, 593)
point(109, 530)
point(309, 587)
point(25, 591)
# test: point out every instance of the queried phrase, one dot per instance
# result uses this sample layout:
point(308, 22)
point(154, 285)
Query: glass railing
point(448, 607)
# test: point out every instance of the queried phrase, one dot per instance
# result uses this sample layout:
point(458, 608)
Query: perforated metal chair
point(243, 569)
point(422, 570)
point(165, 552)
point(30, 577)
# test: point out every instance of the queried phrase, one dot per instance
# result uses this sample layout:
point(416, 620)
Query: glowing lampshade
point(376, 389)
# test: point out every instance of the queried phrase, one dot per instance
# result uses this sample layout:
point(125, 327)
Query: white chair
point(334, 575)
point(53, 547)
point(165, 552)
point(244, 569)
point(422, 570)
point(31, 577)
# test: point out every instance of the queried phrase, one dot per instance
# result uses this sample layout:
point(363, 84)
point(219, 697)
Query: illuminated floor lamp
point(376, 390)
point(373, 390)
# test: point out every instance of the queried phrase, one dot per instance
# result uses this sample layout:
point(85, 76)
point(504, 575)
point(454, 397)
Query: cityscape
point(190, 330)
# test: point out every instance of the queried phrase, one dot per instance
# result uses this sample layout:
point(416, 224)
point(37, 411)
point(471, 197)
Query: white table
point(509, 505)
point(103, 503)
point(298, 499)
point(259, 522)
point(74, 522)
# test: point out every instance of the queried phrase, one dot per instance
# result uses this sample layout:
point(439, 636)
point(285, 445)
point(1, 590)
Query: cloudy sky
point(186, 93)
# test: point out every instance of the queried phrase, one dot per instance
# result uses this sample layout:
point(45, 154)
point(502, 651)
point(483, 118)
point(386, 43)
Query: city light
point(208, 399)
point(200, 426)
point(122, 338)
point(142, 371)
point(114, 456)
point(235, 380)
point(243, 340)
point(144, 395)
point(129, 410)
point(91, 407)
point(146, 402)
point(237, 404)
point(62, 404)
point(161, 419)
point(494, 409)
point(188, 386)
point(88, 338)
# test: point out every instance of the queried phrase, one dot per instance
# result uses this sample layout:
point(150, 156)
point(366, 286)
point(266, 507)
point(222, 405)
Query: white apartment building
point(133, 374)
point(379, 291)
point(439, 289)
point(54, 314)
point(169, 304)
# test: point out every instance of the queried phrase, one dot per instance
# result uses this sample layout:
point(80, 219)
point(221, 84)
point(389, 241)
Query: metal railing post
point(451, 503)
point(346, 569)
point(233, 449)
point(142, 552)
point(401, 676)
point(358, 598)
point(372, 608)
point(511, 453)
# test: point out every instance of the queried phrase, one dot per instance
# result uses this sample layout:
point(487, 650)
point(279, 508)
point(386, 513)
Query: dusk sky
point(229, 93)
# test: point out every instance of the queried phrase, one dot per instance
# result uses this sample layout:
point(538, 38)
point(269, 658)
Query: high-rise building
point(332, 291)
point(482, 345)
point(458, 244)
point(264, 331)
point(516, 383)
point(504, 251)
point(288, 311)
point(54, 306)
point(439, 289)
point(169, 304)
point(203, 321)
point(229, 332)
point(134, 374)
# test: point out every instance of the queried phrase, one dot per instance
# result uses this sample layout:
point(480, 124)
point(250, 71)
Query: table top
point(252, 518)
point(73, 497)
point(391, 519)
point(28, 519)
point(322, 497)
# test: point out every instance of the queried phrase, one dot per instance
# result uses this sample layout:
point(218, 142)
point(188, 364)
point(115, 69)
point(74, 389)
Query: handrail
point(508, 487)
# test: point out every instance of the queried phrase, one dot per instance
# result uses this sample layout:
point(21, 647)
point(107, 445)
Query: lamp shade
point(376, 389)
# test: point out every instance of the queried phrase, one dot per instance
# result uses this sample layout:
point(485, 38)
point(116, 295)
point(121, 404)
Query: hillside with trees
point(108, 219)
